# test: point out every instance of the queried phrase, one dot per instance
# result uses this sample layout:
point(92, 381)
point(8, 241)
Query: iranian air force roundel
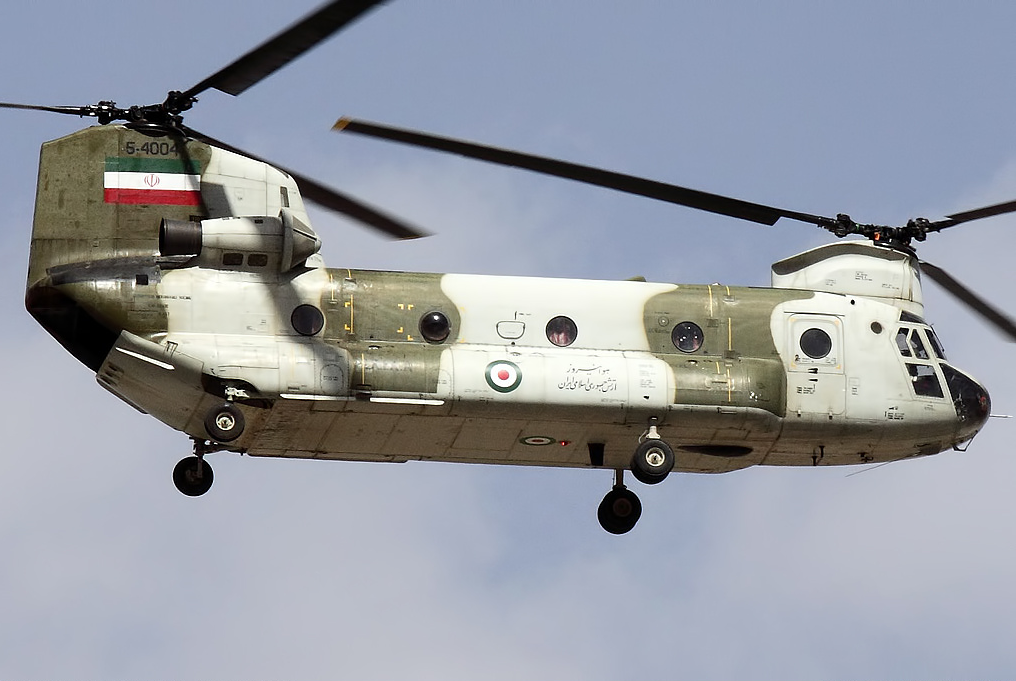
point(503, 376)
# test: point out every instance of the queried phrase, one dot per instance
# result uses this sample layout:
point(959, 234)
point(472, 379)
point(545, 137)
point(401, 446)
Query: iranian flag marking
point(503, 376)
point(162, 181)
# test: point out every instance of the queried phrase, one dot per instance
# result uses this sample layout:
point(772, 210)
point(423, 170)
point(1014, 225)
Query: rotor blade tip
point(341, 124)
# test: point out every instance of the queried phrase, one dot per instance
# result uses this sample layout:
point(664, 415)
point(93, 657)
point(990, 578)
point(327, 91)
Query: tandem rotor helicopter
point(185, 273)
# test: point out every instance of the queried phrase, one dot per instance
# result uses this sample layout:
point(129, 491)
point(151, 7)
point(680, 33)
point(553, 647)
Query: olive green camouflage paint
point(375, 316)
point(738, 364)
point(74, 223)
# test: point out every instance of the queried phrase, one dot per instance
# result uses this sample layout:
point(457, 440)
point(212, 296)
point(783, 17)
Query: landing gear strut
point(193, 476)
point(650, 464)
point(620, 509)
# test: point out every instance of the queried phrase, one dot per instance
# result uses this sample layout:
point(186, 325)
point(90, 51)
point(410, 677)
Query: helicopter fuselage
point(182, 300)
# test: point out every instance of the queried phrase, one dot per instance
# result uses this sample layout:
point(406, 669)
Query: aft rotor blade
point(326, 197)
point(74, 110)
point(631, 184)
point(272, 55)
point(1001, 321)
point(93, 110)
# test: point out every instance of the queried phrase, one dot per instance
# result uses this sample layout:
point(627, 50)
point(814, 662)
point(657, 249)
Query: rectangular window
point(935, 344)
point(901, 342)
point(918, 345)
point(925, 380)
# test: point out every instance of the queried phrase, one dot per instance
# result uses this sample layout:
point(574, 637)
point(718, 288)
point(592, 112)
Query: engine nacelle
point(256, 244)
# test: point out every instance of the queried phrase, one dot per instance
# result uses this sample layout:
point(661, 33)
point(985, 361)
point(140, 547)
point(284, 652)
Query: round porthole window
point(435, 327)
point(561, 331)
point(687, 336)
point(816, 343)
point(307, 320)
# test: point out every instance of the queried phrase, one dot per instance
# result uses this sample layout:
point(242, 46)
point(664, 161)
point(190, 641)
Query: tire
point(619, 510)
point(652, 462)
point(192, 476)
point(225, 423)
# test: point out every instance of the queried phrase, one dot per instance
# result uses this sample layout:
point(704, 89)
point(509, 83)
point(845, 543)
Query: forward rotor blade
point(976, 214)
point(692, 198)
point(270, 56)
point(326, 197)
point(1002, 322)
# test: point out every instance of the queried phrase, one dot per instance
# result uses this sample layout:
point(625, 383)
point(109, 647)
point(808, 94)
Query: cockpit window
point(936, 346)
point(918, 345)
point(901, 342)
point(911, 318)
point(925, 380)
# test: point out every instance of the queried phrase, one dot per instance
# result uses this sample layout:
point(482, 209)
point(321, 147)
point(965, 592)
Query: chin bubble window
point(435, 327)
point(307, 320)
point(687, 336)
point(561, 331)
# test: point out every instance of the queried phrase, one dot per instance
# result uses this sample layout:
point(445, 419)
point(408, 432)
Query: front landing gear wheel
point(652, 462)
point(224, 423)
point(619, 510)
point(192, 476)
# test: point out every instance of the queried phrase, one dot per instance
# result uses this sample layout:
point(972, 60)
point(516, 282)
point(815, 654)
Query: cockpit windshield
point(913, 343)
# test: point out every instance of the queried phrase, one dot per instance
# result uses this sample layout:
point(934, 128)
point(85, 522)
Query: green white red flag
point(146, 180)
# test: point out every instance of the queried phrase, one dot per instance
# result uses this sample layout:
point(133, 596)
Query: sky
point(314, 570)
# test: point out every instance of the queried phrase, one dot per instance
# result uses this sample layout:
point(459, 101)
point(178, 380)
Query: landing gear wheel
point(192, 476)
point(224, 423)
point(619, 510)
point(652, 462)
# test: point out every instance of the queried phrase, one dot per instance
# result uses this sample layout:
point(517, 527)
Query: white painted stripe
point(407, 400)
point(160, 181)
point(329, 398)
point(161, 365)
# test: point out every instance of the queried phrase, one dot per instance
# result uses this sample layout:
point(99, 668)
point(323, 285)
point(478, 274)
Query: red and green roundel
point(503, 376)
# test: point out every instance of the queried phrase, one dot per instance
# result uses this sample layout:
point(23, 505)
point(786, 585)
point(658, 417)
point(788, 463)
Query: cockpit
point(925, 363)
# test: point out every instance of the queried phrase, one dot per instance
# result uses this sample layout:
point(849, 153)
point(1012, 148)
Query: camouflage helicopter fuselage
point(185, 275)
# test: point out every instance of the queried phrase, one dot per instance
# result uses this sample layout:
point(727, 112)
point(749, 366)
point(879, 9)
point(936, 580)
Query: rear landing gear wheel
point(619, 510)
point(224, 423)
point(652, 462)
point(192, 476)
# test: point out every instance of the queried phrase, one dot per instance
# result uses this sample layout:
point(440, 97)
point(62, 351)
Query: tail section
point(102, 194)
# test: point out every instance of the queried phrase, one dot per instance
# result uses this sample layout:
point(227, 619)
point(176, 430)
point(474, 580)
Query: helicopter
point(185, 273)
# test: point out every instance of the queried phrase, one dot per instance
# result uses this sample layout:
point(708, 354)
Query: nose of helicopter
point(971, 400)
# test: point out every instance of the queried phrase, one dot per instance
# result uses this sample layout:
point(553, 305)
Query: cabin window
point(435, 327)
point(307, 320)
point(687, 336)
point(232, 259)
point(562, 331)
point(816, 343)
point(257, 260)
point(925, 380)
